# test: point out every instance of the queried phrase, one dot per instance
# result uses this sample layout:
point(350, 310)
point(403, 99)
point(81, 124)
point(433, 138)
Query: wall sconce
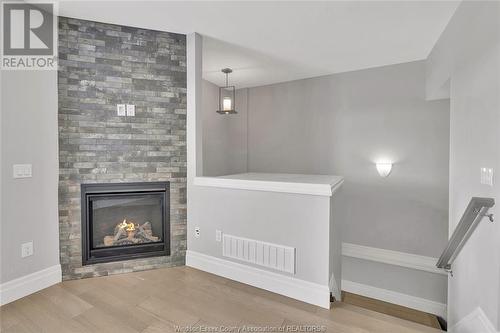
point(227, 96)
point(384, 169)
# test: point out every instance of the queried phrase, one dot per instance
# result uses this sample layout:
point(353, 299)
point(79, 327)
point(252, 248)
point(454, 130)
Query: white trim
point(321, 189)
point(474, 322)
point(29, 284)
point(396, 258)
point(393, 297)
point(194, 137)
point(305, 291)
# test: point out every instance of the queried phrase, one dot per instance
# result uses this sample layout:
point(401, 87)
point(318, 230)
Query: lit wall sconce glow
point(384, 169)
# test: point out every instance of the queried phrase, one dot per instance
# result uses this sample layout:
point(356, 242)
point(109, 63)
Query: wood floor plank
point(21, 327)
point(38, 315)
point(371, 320)
point(156, 301)
point(65, 302)
point(111, 303)
point(292, 325)
point(173, 313)
point(222, 300)
point(9, 317)
point(391, 309)
point(97, 320)
point(159, 327)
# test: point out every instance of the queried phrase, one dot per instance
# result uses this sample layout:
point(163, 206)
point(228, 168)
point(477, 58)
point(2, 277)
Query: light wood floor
point(157, 300)
point(391, 309)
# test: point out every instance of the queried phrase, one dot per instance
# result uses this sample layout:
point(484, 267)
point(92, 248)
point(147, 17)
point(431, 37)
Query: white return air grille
point(279, 257)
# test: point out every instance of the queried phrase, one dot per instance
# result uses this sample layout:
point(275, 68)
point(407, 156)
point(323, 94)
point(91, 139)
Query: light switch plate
point(487, 176)
point(130, 110)
point(22, 171)
point(27, 249)
point(121, 110)
point(218, 236)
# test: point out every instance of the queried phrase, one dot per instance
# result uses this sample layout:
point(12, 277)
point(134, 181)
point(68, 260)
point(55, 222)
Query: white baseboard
point(474, 322)
point(403, 259)
point(29, 284)
point(393, 297)
point(305, 291)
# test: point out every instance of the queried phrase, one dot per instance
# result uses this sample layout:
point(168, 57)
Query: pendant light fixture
point(227, 96)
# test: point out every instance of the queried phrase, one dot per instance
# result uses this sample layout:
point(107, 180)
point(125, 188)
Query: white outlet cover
point(22, 171)
point(197, 232)
point(121, 110)
point(27, 249)
point(130, 110)
point(218, 236)
point(487, 176)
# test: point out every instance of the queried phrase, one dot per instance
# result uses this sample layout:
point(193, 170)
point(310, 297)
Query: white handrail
point(474, 213)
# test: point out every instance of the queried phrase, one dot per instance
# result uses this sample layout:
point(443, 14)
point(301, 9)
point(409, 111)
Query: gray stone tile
point(102, 65)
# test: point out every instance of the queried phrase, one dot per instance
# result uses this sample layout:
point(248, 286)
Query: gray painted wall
point(341, 124)
point(29, 206)
point(224, 136)
point(411, 282)
point(468, 55)
point(281, 218)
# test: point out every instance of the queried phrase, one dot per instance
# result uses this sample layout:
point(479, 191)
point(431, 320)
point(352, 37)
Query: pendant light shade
point(227, 96)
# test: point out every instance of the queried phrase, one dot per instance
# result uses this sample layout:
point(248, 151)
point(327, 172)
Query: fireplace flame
point(127, 226)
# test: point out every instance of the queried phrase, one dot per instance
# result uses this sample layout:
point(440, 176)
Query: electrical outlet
point(218, 236)
point(130, 110)
point(197, 232)
point(121, 110)
point(27, 249)
point(22, 171)
point(487, 176)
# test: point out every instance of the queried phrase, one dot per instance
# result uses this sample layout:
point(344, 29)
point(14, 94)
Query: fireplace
point(123, 221)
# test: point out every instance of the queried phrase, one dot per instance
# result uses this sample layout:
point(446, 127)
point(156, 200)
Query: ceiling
point(267, 42)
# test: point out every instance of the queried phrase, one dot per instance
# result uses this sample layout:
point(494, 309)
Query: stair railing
point(474, 213)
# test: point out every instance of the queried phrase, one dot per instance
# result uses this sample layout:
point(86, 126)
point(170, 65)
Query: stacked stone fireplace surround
point(100, 66)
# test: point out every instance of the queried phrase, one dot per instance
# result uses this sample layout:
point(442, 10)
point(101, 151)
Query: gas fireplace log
point(109, 240)
point(146, 232)
point(142, 234)
point(120, 233)
point(124, 241)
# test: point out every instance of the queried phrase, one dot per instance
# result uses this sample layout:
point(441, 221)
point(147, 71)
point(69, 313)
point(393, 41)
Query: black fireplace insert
point(123, 221)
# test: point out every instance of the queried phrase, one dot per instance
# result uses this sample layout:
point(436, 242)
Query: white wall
point(468, 55)
point(295, 220)
point(426, 285)
point(29, 206)
point(224, 136)
point(280, 218)
point(341, 124)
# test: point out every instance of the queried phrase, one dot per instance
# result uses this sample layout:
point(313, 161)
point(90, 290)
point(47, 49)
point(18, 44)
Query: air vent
point(274, 256)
